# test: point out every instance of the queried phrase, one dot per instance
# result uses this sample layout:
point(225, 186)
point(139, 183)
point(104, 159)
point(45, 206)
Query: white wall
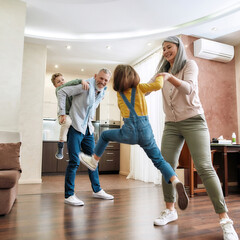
point(22, 85)
point(12, 23)
point(31, 111)
point(125, 151)
point(108, 107)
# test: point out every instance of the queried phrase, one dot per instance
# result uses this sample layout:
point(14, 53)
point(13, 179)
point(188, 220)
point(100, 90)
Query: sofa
point(10, 170)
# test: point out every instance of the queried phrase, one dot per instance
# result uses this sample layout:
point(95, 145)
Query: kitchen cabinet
point(109, 163)
point(110, 160)
point(52, 165)
point(49, 162)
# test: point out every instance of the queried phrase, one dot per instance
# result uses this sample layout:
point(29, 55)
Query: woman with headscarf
point(185, 121)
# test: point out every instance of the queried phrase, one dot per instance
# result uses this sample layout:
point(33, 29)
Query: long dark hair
point(125, 77)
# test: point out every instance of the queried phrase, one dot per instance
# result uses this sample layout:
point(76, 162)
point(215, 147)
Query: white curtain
point(141, 167)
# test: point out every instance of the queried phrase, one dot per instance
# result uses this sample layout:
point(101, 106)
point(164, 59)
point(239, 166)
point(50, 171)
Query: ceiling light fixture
point(68, 47)
point(56, 66)
point(108, 47)
point(214, 29)
point(82, 70)
point(149, 44)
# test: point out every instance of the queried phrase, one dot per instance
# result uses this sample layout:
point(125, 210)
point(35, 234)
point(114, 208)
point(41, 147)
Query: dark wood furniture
point(109, 163)
point(110, 160)
point(224, 149)
point(186, 162)
point(52, 165)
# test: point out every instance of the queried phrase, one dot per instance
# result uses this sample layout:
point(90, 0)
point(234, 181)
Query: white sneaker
point(165, 217)
point(102, 194)
point(228, 229)
point(88, 161)
point(74, 200)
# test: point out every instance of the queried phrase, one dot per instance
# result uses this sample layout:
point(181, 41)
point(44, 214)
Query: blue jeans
point(77, 141)
point(137, 130)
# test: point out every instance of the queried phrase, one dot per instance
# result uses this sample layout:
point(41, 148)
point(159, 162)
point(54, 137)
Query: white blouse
point(183, 102)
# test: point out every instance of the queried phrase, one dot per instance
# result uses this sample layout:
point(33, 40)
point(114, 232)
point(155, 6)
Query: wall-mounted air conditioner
point(212, 50)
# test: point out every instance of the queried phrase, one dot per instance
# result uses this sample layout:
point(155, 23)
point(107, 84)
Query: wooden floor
point(40, 214)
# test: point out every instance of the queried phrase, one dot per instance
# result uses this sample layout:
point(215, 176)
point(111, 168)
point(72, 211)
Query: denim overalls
point(136, 130)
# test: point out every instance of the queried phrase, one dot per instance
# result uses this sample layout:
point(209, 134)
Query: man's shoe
point(59, 153)
point(165, 217)
point(102, 194)
point(74, 200)
point(182, 196)
point(228, 229)
point(88, 161)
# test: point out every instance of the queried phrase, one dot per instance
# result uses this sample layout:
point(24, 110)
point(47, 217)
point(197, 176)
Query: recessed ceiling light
point(68, 47)
point(214, 29)
point(108, 47)
point(82, 70)
point(56, 66)
point(149, 44)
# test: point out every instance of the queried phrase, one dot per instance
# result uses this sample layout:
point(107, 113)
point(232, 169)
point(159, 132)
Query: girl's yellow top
point(140, 101)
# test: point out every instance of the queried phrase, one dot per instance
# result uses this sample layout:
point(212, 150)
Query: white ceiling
point(89, 26)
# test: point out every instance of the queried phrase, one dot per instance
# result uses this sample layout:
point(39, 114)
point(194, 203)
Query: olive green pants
point(195, 131)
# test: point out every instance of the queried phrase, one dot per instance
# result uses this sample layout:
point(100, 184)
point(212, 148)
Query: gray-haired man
point(81, 133)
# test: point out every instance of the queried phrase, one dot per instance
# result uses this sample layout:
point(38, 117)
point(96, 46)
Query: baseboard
point(30, 181)
point(123, 173)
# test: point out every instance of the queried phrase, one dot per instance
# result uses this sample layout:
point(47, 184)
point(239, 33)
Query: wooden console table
point(225, 149)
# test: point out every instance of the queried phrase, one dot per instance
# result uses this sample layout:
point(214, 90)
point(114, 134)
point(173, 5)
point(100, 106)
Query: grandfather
point(81, 133)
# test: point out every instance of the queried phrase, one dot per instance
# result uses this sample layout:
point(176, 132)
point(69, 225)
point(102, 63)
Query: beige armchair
point(10, 170)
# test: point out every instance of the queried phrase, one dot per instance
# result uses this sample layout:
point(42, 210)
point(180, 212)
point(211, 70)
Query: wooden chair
point(186, 162)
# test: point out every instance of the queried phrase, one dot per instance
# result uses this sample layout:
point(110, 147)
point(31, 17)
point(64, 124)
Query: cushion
point(9, 156)
point(9, 178)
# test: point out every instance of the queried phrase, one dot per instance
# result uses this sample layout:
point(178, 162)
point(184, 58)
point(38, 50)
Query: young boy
point(59, 82)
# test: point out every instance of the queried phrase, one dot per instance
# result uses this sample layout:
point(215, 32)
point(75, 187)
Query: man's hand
point(62, 119)
point(85, 85)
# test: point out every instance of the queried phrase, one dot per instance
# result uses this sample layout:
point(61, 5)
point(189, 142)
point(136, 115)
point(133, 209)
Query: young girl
point(136, 128)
